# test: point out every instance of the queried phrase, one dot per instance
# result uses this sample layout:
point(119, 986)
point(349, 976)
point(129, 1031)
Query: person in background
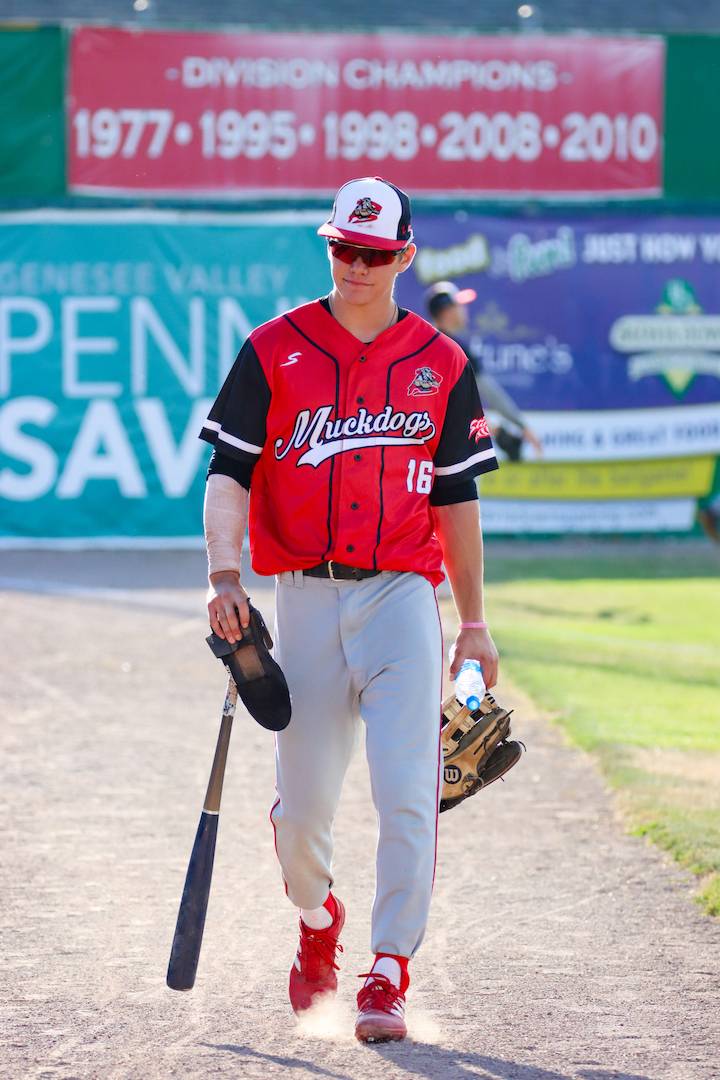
point(447, 308)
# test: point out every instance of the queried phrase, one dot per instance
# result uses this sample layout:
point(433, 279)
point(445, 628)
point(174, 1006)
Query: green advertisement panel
point(692, 117)
point(116, 332)
point(32, 125)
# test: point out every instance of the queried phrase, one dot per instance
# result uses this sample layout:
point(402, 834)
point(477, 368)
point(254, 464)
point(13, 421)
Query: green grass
point(709, 896)
point(621, 646)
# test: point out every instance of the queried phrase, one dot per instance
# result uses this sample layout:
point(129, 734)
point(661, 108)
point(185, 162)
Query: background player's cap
point(444, 293)
point(370, 212)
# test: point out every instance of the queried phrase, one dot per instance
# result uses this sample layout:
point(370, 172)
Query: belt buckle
point(330, 570)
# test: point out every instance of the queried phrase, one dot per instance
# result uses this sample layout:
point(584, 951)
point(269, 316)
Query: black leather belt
point(336, 571)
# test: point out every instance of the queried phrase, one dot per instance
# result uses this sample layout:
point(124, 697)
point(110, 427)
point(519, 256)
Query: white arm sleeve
point(225, 516)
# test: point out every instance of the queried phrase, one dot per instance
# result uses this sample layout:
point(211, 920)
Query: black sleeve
point(236, 422)
point(445, 495)
point(232, 467)
point(465, 448)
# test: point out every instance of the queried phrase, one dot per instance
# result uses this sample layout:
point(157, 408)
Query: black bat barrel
point(193, 906)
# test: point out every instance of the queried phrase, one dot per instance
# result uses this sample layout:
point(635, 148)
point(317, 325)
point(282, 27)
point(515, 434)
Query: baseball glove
point(476, 749)
point(510, 443)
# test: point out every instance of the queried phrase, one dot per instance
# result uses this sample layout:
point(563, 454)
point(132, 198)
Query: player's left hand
point(475, 645)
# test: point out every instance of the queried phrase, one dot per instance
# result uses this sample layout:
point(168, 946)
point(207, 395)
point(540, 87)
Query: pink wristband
point(473, 626)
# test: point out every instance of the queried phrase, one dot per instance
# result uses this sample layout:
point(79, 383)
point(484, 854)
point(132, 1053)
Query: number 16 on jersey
point(422, 481)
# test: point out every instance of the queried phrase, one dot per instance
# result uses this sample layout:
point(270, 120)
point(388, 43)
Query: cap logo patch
point(425, 381)
point(365, 210)
point(479, 429)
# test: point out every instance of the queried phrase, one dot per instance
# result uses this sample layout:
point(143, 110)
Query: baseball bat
point(187, 940)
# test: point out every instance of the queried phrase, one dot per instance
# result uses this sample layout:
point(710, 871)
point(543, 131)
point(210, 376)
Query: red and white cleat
point(313, 972)
point(381, 1011)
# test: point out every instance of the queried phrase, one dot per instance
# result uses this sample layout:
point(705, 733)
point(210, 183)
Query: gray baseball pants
point(366, 650)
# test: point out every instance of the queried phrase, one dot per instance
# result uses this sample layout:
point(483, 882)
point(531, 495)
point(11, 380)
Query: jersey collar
point(342, 339)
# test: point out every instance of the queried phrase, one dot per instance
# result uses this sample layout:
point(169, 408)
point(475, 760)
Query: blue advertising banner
point(605, 333)
point(599, 313)
point(116, 331)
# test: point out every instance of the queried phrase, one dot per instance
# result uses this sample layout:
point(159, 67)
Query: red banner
point(274, 114)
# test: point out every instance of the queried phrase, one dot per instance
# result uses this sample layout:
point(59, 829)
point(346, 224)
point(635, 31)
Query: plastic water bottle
point(470, 685)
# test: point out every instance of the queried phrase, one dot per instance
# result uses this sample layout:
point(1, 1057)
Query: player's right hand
point(227, 605)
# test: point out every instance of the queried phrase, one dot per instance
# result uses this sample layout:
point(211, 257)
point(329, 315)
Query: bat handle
point(217, 773)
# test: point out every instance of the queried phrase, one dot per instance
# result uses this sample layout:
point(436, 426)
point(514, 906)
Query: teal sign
point(116, 332)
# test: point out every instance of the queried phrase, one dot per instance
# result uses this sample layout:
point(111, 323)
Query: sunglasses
point(347, 253)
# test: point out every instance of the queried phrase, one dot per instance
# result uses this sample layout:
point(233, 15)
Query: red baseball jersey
point(348, 439)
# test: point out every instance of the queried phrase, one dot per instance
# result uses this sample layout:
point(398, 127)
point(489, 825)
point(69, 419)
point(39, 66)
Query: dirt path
point(589, 959)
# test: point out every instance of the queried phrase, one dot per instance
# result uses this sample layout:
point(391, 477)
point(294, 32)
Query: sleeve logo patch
point(479, 429)
point(425, 381)
point(366, 210)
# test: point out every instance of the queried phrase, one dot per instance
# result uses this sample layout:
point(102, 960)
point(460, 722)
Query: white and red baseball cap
point(370, 212)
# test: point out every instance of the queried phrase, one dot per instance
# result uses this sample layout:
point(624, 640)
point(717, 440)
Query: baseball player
point(350, 432)
point(446, 306)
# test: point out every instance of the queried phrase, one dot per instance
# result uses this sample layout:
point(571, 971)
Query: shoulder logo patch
point(425, 381)
point(365, 210)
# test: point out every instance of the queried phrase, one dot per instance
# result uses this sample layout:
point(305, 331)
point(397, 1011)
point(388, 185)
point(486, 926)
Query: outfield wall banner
point(605, 330)
point(117, 329)
point(261, 114)
point(116, 332)
point(610, 313)
point(506, 517)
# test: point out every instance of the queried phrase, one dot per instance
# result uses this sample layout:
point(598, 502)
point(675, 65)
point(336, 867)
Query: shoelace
point(322, 944)
point(381, 992)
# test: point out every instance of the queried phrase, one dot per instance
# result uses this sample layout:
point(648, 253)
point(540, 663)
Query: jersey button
point(350, 547)
point(361, 401)
point(354, 506)
point(357, 457)
point(363, 359)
